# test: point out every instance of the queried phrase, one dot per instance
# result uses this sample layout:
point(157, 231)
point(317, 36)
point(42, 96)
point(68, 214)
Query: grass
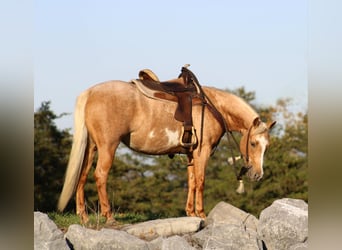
point(63, 221)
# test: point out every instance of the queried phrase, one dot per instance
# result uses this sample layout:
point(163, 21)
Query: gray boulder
point(165, 227)
point(228, 227)
point(171, 243)
point(80, 237)
point(46, 233)
point(284, 224)
point(226, 236)
point(300, 246)
point(224, 213)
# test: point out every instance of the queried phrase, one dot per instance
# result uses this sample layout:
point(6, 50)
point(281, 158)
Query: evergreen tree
point(51, 153)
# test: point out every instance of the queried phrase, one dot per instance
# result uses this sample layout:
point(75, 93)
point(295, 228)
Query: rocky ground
point(283, 225)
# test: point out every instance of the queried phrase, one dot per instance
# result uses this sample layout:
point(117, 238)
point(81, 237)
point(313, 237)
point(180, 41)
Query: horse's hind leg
point(80, 204)
point(105, 160)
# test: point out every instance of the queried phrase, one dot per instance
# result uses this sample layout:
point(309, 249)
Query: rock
point(284, 224)
point(227, 236)
point(173, 242)
point(228, 227)
point(224, 213)
point(300, 246)
point(156, 244)
point(165, 227)
point(46, 233)
point(80, 237)
point(202, 236)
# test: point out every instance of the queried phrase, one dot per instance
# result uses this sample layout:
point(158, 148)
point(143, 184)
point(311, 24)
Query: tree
point(51, 153)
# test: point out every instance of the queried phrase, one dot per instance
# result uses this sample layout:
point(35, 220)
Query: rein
point(247, 143)
point(229, 134)
point(206, 102)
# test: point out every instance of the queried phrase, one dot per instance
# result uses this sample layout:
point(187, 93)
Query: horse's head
point(253, 144)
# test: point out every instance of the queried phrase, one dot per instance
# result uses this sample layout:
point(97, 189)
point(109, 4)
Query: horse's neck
point(238, 114)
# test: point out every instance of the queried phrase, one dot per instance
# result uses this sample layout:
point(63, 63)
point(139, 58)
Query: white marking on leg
point(173, 137)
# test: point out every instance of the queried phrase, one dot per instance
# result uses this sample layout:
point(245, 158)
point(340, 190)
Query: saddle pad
point(154, 90)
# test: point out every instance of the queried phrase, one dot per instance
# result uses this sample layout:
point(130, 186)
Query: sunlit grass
point(64, 220)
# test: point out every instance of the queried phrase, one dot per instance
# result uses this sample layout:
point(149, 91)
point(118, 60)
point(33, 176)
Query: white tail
point(77, 153)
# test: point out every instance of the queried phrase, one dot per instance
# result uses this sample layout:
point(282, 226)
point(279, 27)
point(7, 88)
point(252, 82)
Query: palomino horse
point(115, 111)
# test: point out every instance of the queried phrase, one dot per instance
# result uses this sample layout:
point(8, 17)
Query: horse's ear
point(256, 122)
point(271, 124)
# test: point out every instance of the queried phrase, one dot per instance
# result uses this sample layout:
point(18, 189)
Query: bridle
point(245, 168)
point(247, 143)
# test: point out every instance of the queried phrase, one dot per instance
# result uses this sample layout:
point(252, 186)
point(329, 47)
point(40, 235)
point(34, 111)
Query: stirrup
point(193, 138)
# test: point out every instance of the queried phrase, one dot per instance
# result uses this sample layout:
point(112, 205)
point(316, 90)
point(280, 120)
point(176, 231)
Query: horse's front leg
point(189, 208)
point(200, 164)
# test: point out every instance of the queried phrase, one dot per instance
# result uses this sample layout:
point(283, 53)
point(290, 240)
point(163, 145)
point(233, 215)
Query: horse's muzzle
point(254, 175)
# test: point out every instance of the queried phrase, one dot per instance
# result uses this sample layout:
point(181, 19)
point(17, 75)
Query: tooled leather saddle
point(185, 90)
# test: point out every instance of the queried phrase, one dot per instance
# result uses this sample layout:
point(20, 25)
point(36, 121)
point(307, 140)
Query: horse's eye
point(253, 144)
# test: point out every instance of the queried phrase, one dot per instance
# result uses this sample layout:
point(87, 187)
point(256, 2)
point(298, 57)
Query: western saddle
point(185, 90)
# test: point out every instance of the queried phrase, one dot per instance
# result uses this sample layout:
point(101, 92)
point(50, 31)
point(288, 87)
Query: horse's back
point(112, 88)
point(110, 108)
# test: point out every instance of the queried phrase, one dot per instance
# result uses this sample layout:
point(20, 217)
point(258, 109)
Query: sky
point(260, 45)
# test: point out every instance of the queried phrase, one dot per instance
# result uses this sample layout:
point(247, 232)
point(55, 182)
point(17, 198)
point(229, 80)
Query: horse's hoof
point(85, 223)
point(202, 215)
point(84, 219)
point(111, 222)
point(191, 214)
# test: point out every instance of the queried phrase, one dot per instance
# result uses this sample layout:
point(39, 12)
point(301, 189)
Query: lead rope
point(241, 187)
point(243, 170)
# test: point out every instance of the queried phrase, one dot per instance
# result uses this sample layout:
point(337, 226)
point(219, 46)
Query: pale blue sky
point(261, 45)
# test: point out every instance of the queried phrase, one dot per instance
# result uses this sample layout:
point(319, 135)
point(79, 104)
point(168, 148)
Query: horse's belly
point(154, 141)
